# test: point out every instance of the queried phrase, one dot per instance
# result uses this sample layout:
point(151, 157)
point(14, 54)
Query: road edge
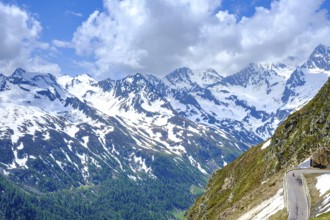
point(308, 196)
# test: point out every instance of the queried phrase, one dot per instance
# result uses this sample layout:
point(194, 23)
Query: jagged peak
point(319, 51)
point(133, 78)
point(272, 66)
point(84, 76)
point(84, 79)
point(18, 72)
point(106, 84)
point(321, 48)
point(181, 70)
point(319, 58)
point(210, 71)
point(133, 82)
point(153, 78)
point(108, 80)
point(138, 76)
point(254, 69)
point(205, 77)
point(179, 74)
point(22, 74)
point(278, 65)
point(252, 73)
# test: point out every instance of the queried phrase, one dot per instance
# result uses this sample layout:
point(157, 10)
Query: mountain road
point(298, 206)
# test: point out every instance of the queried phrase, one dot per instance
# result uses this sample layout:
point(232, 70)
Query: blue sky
point(112, 38)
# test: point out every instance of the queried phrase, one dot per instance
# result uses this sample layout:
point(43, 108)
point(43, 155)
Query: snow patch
point(139, 165)
point(21, 162)
point(85, 141)
point(84, 161)
point(196, 164)
point(323, 186)
point(72, 130)
point(46, 136)
point(266, 144)
point(132, 177)
point(323, 183)
point(266, 208)
point(21, 146)
point(171, 134)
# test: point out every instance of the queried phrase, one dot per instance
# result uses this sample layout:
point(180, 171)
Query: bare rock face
point(321, 158)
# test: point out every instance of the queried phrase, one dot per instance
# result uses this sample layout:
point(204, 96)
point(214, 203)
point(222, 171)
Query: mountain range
point(66, 132)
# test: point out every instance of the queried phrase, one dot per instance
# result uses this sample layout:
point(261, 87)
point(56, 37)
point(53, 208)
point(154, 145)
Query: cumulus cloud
point(19, 39)
point(144, 35)
point(287, 29)
point(17, 31)
point(156, 36)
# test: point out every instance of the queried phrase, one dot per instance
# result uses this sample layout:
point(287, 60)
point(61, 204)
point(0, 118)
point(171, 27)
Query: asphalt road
point(297, 199)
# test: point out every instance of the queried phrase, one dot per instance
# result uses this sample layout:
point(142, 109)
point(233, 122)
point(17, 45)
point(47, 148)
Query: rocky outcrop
point(321, 158)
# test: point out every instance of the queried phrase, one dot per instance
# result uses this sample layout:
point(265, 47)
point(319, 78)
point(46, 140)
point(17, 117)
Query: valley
point(82, 138)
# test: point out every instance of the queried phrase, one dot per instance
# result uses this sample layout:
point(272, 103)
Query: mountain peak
point(209, 71)
point(135, 78)
point(319, 59)
point(106, 84)
point(42, 80)
point(321, 48)
point(18, 72)
point(182, 70)
point(206, 77)
point(84, 77)
point(131, 84)
point(186, 78)
point(180, 75)
point(253, 74)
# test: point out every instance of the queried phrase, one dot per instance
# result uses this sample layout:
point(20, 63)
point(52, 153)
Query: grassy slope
point(238, 187)
point(231, 189)
point(325, 216)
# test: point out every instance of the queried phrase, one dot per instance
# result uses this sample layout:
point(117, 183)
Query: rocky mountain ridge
point(250, 104)
point(50, 131)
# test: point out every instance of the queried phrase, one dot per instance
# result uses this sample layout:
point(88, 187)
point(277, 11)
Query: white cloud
point(19, 33)
point(63, 44)
point(77, 14)
point(25, 60)
point(144, 35)
point(156, 36)
point(289, 28)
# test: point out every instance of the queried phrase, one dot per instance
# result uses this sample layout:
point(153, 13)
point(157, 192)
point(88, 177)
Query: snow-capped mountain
point(249, 104)
point(186, 78)
point(319, 59)
point(79, 130)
